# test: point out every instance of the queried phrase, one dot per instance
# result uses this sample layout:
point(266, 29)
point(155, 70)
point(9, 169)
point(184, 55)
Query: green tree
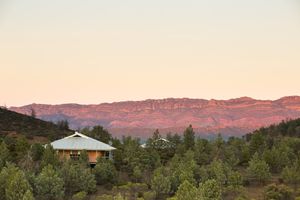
point(277, 192)
point(4, 154)
point(77, 178)
point(21, 148)
point(137, 174)
point(160, 183)
point(28, 195)
point(49, 157)
point(37, 151)
point(17, 187)
point(49, 186)
point(276, 158)
point(209, 190)
point(291, 174)
point(84, 158)
point(6, 175)
point(99, 133)
point(258, 169)
point(189, 138)
point(79, 196)
point(257, 143)
point(203, 151)
point(105, 172)
point(186, 191)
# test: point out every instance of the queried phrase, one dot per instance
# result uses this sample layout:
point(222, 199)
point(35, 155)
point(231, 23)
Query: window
point(74, 155)
point(106, 154)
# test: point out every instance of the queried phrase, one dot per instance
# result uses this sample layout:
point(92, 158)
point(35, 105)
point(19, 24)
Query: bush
point(77, 178)
point(277, 192)
point(105, 172)
point(150, 195)
point(79, 196)
point(49, 185)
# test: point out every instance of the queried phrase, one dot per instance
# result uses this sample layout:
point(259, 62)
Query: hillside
point(16, 123)
point(140, 118)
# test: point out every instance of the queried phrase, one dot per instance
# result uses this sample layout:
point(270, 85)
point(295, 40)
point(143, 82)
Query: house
point(70, 147)
point(160, 143)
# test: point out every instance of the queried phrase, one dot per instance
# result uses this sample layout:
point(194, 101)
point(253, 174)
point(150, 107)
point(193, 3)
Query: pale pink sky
point(102, 51)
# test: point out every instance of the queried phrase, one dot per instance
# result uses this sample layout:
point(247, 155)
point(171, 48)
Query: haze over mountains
point(141, 118)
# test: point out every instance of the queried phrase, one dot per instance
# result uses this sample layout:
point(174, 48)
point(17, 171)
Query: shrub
point(79, 196)
point(277, 192)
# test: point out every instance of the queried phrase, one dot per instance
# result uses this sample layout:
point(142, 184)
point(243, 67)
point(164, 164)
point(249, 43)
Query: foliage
point(49, 157)
point(77, 178)
point(28, 195)
point(37, 151)
point(4, 154)
point(149, 195)
point(137, 174)
point(49, 186)
point(160, 183)
point(98, 133)
point(258, 169)
point(105, 172)
point(189, 138)
point(292, 174)
point(186, 191)
point(210, 189)
point(277, 192)
point(6, 175)
point(79, 196)
point(17, 187)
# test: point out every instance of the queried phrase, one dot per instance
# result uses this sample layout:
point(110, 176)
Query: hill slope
point(16, 123)
point(140, 118)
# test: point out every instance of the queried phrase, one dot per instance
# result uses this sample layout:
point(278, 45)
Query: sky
point(95, 51)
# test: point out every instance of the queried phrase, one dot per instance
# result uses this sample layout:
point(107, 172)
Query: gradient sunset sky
point(94, 51)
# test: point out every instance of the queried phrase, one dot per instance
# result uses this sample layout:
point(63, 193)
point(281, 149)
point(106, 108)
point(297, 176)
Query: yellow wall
point(93, 155)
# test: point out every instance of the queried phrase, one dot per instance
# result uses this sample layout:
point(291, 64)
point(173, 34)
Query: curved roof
point(79, 141)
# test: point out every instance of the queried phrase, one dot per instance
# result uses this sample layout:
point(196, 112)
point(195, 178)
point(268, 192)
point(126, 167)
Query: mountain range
point(140, 118)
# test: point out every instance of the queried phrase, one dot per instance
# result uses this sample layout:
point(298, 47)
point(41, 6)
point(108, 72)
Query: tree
point(79, 196)
point(99, 133)
point(291, 174)
point(186, 191)
point(160, 183)
point(189, 138)
point(21, 148)
point(84, 158)
point(6, 175)
point(37, 151)
point(77, 177)
point(277, 158)
point(49, 186)
point(257, 143)
point(105, 172)
point(258, 169)
point(277, 192)
point(4, 154)
point(137, 174)
point(203, 151)
point(17, 187)
point(63, 124)
point(49, 157)
point(210, 189)
point(28, 195)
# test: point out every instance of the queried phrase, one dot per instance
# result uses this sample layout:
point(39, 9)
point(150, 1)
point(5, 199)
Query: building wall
point(93, 155)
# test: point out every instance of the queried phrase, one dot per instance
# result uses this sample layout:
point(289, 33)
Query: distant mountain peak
point(232, 117)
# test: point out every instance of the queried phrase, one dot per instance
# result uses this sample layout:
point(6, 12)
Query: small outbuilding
point(70, 147)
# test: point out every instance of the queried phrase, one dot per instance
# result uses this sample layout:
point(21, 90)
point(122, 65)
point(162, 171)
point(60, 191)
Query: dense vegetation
point(29, 126)
point(262, 165)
